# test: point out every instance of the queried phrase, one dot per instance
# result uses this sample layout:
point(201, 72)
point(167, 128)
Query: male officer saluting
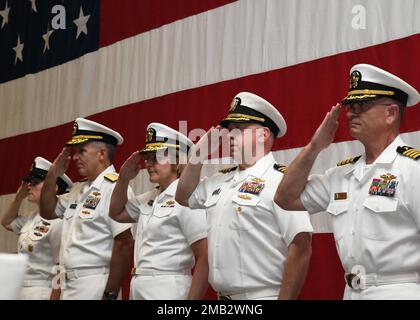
point(256, 250)
point(373, 199)
point(95, 250)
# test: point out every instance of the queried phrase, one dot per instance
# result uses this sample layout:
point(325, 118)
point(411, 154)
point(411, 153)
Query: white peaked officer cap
point(368, 82)
point(160, 136)
point(87, 130)
point(247, 107)
point(39, 170)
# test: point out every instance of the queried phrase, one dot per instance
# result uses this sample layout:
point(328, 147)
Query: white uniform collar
point(169, 191)
point(258, 169)
point(386, 157)
point(390, 153)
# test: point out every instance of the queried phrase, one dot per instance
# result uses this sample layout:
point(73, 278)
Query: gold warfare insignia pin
point(355, 77)
point(75, 128)
point(149, 134)
point(244, 197)
point(388, 177)
point(236, 102)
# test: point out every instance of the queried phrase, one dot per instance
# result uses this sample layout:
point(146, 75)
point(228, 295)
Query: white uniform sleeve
point(62, 204)
point(193, 224)
point(413, 190)
point(316, 195)
point(18, 223)
point(55, 238)
point(200, 195)
point(133, 208)
point(291, 223)
point(117, 227)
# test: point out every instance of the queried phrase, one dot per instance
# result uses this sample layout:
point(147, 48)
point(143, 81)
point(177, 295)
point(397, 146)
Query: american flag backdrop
point(127, 63)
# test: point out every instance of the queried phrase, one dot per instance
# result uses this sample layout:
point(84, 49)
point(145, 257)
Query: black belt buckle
point(350, 277)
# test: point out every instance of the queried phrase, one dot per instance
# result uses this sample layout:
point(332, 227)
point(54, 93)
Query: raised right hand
point(130, 167)
point(325, 133)
point(22, 192)
point(207, 145)
point(62, 162)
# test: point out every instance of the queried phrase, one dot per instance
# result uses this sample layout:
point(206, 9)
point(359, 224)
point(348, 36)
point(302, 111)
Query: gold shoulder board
point(347, 161)
point(111, 177)
point(409, 152)
point(227, 170)
point(280, 167)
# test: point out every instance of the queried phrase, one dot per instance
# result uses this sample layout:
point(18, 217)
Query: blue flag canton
point(40, 34)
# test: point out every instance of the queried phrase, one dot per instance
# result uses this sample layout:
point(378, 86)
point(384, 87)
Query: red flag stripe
point(142, 16)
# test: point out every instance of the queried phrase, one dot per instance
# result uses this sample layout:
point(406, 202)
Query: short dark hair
point(401, 108)
point(111, 151)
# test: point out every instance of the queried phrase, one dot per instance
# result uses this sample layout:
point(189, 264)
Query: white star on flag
point(81, 23)
point(18, 49)
point(46, 37)
point(33, 5)
point(5, 15)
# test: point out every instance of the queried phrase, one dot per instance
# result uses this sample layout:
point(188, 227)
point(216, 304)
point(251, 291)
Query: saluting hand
point(131, 167)
point(207, 145)
point(62, 162)
point(325, 133)
point(22, 192)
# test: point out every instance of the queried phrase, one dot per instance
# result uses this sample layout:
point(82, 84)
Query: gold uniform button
point(30, 248)
point(238, 209)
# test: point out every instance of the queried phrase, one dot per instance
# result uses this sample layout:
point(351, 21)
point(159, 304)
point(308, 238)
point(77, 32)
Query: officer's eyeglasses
point(159, 157)
point(360, 107)
point(150, 157)
point(33, 181)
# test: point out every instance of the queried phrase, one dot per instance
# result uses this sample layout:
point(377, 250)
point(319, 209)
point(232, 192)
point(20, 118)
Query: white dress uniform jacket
point(40, 240)
point(248, 233)
point(88, 235)
point(163, 256)
point(375, 214)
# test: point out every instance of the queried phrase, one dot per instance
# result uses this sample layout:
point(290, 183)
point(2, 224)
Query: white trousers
point(403, 291)
point(85, 288)
point(35, 293)
point(160, 287)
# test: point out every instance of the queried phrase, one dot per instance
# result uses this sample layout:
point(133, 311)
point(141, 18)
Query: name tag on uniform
point(340, 196)
point(73, 206)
